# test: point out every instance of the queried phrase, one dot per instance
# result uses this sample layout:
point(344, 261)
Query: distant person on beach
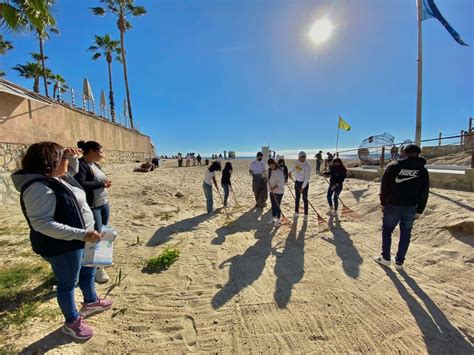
point(180, 160)
point(282, 165)
point(337, 174)
point(95, 183)
point(276, 183)
point(259, 181)
point(403, 195)
point(199, 158)
point(319, 161)
point(302, 171)
point(394, 153)
point(209, 180)
point(329, 159)
point(60, 221)
point(194, 159)
point(225, 181)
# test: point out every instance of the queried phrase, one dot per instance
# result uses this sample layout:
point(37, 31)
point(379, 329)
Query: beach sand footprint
point(190, 331)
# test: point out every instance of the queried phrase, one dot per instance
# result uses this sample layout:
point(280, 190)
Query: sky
point(213, 75)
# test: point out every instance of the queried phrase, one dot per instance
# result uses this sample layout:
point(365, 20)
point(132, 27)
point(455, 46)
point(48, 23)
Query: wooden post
point(470, 124)
point(382, 159)
point(439, 140)
point(472, 158)
point(462, 137)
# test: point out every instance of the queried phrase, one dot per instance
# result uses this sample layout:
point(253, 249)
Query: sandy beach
point(242, 286)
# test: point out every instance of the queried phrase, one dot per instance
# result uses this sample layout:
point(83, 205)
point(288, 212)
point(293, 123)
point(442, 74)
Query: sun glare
point(320, 31)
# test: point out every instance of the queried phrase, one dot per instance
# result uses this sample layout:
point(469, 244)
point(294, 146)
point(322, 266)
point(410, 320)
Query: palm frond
point(96, 56)
point(98, 11)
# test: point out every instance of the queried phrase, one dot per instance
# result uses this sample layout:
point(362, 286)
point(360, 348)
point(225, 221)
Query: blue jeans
point(392, 216)
point(275, 199)
point(226, 193)
point(298, 186)
point(68, 271)
point(101, 216)
point(337, 191)
point(208, 193)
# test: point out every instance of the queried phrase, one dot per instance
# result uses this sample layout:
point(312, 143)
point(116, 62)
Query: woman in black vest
point(95, 183)
point(60, 221)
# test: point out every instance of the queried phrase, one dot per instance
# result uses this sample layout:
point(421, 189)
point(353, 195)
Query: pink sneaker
point(95, 307)
point(78, 329)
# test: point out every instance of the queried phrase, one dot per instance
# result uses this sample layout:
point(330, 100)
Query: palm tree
point(122, 9)
point(30, 70)
point(107, 47)
point(59, 84)
point(34, 15)
point(5, 46)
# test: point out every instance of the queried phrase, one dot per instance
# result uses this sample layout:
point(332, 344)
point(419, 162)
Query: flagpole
point(420, 77)
point(337, 139)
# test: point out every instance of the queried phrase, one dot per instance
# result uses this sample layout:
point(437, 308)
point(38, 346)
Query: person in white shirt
point(209, 180)
point(276, 183)
point(259, 181)
point(302, 172)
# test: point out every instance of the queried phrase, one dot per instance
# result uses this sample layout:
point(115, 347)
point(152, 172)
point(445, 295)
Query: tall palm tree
point(35, 15)
point(30, 70)
point(5, 46)
point(107, 47)
point(122, 9)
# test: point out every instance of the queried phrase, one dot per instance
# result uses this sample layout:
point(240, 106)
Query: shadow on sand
point(289, 266)
point(246, 268)
point(345, 249)
point(50, 342)
point(440, 336)
point(245, 223)
point(458, 203)
point(163, 234)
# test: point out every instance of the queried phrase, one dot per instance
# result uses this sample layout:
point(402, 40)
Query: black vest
point(67, 212)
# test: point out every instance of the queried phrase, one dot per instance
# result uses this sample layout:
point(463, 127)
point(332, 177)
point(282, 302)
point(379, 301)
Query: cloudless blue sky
point(209, 75)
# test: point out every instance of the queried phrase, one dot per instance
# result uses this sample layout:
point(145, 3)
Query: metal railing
point(74, 99)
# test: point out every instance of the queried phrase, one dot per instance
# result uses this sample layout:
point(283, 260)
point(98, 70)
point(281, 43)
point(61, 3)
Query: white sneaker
point(305, 218)
point(296, 215)
point(101, 276)
point(276, 223)
point(379, 259)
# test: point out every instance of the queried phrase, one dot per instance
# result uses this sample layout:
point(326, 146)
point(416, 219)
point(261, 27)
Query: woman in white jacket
point(276, 183)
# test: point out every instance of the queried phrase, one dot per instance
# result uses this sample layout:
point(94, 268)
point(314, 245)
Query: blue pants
point(337, 191)
point(275, 199)
point(298, 186)
point(226, 189)
point(318, 166)
point(392, 216)
point(101, 216)
point(68, 271)
point(208, 193)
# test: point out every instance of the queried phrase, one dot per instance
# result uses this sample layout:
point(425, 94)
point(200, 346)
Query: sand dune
point(242, 286)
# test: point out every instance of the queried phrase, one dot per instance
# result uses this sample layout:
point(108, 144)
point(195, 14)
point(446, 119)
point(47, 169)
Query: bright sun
point(320, 31)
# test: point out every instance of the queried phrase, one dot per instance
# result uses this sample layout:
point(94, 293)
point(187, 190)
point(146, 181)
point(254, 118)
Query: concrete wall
point(28, 121)
point(439, 151)
point(24, 121)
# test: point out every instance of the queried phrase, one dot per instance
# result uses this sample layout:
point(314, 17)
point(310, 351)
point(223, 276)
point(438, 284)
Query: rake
point(284, 219)
point(345, 210)
point(227, 215)
point(321, 220)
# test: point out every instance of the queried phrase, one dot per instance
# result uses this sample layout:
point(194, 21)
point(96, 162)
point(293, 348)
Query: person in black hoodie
point(338, 173)
point(225, 181)
point(95, 183)
point(403, 195)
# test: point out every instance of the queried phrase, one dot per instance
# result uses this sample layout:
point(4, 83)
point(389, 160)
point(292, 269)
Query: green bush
point(163, 261)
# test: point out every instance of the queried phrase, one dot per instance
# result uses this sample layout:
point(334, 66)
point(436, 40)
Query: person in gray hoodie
point(60, 220)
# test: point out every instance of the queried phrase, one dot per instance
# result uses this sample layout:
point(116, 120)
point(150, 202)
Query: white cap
point(301, 154)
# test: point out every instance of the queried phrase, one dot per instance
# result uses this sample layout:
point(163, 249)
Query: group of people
point(403, 195)
point(191, 158)
point(65, 202)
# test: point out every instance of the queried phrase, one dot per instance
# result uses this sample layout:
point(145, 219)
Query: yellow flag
point(344, 125)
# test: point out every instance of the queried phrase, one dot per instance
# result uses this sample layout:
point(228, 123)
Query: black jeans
point(298, 186)
point(275, 199)
point(259, 186)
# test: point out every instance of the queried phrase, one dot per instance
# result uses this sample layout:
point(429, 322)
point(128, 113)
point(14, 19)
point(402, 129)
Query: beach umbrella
point(87, 91)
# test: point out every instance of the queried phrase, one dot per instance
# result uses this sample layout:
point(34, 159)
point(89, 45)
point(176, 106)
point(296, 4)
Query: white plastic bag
point(101, 253)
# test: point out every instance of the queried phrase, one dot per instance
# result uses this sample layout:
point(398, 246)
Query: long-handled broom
point(345, 210)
